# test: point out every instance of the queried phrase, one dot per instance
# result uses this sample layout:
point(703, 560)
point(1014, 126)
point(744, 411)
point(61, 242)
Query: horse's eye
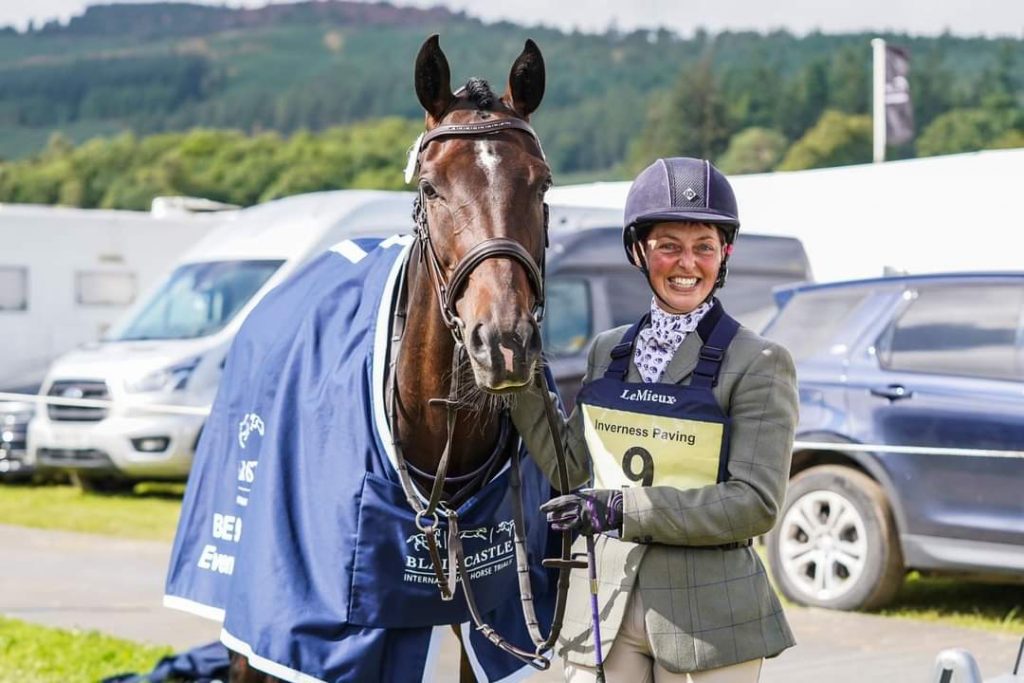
point(428, 190)
point(545, 187)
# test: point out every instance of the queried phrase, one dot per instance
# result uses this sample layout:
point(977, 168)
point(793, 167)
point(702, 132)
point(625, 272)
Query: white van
point(169, 349)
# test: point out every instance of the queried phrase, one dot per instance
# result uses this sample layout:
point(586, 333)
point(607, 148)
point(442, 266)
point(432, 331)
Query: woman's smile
point(683, 283)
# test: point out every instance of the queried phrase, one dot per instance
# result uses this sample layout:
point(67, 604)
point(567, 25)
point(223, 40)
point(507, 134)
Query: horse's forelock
point(478, 91)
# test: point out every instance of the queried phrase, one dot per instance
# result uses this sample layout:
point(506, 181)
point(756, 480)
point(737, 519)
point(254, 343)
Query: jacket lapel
point(685, 359)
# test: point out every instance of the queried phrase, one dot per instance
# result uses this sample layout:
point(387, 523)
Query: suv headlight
point(173, 378)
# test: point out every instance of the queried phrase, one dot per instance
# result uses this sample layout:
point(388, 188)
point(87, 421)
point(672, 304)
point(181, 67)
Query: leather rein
point(430, 510)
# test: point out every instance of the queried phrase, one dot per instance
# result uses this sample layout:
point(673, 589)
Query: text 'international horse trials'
point(359, 484)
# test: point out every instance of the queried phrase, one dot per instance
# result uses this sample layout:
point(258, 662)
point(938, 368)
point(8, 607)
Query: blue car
point(910, 447)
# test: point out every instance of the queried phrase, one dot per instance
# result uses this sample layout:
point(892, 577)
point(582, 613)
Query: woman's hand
point(592, 511)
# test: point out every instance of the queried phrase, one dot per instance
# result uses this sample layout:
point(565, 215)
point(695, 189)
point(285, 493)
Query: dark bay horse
point(472, 290)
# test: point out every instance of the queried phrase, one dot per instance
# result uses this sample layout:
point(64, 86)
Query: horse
point(466, 332)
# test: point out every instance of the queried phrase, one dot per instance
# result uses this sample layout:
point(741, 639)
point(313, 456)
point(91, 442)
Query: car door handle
point(893, 392)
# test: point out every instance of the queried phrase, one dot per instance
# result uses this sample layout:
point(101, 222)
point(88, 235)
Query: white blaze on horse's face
point(487, 158)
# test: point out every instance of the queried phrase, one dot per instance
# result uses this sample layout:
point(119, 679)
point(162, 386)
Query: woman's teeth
point(683, 281)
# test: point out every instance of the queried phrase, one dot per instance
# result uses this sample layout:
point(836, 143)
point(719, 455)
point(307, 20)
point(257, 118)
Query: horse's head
point(483, 186)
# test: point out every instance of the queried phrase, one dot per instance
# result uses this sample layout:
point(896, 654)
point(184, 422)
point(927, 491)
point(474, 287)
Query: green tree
point(836, 140)
point(1000, 83)
point(806, 98)
point(225, 165)
point(754, 92)
point(754, 150)
point(1011, 139)
point(137, 188)
point(930, 88)
point(962, 130)
point(691, 121)
point(849, 80)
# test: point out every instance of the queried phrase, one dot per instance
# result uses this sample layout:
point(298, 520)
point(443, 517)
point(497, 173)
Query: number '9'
point(646, 474)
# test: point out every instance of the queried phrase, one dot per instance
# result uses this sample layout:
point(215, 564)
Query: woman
point(686, 421)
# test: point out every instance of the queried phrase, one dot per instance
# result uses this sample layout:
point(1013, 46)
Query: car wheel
point(102, 484)
point(835, 545)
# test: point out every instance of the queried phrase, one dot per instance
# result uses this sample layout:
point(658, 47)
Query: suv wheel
point(836, 543)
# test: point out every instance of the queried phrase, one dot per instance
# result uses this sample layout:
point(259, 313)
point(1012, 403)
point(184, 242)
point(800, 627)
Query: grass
point(50, 655)
point(956, 602)
point(151, 513)
point(948, 600)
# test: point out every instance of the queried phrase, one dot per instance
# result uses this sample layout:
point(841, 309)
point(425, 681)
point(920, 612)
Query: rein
point(428, 513)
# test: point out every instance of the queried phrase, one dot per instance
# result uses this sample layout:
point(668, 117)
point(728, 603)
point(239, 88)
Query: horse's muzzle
point(504, 360)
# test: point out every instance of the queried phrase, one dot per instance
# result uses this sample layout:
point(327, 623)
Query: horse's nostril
point(476, 339)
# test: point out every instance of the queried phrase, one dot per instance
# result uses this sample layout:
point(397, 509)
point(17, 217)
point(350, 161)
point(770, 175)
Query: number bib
point(630, 449)
point(659, 434)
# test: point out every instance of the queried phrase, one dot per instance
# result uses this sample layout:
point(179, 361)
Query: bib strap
point(718, 329)
point(623, 351)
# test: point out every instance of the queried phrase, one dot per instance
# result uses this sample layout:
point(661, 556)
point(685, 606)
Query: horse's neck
point(424, 371)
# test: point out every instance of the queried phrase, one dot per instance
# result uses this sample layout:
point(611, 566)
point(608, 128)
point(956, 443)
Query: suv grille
point(77, 389)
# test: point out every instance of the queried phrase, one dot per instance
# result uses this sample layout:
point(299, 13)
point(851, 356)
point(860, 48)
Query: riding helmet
point(678, 189)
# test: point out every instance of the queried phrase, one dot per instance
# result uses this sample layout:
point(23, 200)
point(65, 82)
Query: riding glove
point(591, 511)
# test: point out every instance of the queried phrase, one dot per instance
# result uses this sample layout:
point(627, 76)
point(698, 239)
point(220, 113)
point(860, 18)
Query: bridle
point(428, 513)
point(447, 290)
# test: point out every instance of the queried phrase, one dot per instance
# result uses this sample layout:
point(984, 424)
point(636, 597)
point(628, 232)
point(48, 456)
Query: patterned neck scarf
point(659, 341)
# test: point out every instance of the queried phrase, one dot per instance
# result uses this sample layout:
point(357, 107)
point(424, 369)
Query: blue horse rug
point(295, 532)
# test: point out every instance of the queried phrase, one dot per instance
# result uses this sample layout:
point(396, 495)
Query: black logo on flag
point(899, 111)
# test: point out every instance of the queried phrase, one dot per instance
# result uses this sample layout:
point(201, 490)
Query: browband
point(468, 129)
point(475, 128)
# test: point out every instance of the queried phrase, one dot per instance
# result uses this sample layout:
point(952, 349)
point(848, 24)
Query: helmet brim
point(692, 215)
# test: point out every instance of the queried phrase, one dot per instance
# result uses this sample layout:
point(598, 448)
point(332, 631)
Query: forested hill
point(151, 68)
point(169, 20)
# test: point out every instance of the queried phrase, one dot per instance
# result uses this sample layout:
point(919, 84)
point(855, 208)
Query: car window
point(198, 299)
point(567, 323)
point(629, 296)
point(748, 297)
point(809, 323)
point(958, 330)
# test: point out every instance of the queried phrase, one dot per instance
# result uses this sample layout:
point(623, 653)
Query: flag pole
point(878, 98)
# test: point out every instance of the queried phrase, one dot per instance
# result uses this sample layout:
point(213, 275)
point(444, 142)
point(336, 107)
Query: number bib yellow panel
point(637, 449)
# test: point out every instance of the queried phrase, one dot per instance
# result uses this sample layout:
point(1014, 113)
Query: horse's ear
point(526, 80)
point(433, 79)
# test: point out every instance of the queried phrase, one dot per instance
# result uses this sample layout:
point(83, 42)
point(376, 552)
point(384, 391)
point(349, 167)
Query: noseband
point(447, 290)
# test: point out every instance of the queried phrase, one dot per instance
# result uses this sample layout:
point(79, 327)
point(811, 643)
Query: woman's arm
point(532, 423)
point(764, 409)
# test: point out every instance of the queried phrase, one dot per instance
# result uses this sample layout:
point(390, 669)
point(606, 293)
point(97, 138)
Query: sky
point(916, 17)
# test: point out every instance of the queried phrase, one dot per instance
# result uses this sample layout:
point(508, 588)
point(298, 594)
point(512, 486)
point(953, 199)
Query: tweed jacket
point(704, 607)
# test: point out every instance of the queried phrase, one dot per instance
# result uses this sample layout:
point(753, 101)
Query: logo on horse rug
point(492, 556)
point(295, 531)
